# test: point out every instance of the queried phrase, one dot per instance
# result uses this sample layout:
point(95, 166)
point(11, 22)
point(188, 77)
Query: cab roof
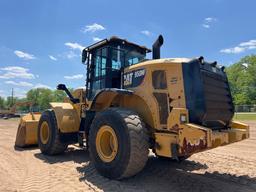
point(116, 40)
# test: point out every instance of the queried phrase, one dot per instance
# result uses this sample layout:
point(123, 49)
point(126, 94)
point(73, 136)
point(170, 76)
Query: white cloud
point(71, 54)
point(74, 46)
point(96, 39)
point(52, 58)
point(78, 76)
point(21, 83)
point(244, 46)
point(23, 55)
point(208, 21)
point(249, 44)
point(39, 85)
point(93, 28)
point(146, 32)
point(233, 50)
point(16, 72)
point(206, 26)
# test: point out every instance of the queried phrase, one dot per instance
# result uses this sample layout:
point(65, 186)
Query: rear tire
point(132, 140)
point(48, 134)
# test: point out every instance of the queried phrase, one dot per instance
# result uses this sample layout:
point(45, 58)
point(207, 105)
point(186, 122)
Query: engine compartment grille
point(207, 92)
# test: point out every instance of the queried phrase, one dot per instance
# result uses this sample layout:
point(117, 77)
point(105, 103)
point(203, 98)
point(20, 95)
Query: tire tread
point(57, 146)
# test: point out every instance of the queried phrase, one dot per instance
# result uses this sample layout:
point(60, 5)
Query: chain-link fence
point(245, 108)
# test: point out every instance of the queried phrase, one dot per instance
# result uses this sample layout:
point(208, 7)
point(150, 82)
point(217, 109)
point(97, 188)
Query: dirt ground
point(229, 168)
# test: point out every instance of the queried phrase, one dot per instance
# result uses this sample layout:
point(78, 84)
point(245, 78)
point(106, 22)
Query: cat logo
point(134, 78)
point(128, 79)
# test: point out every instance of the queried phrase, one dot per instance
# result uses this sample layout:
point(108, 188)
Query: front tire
point(48, 134)
point(118, 143)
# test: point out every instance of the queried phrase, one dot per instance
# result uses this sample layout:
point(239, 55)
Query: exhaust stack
point(156, 47)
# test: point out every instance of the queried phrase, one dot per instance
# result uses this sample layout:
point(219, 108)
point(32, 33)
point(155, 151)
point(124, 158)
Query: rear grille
point(218, 101)
point(208, 97)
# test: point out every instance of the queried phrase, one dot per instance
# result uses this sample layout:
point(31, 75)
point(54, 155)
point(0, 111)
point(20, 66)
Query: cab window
point(100, 62)
point(117, 58)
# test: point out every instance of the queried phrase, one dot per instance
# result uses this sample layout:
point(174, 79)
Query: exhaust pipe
point(156, 47)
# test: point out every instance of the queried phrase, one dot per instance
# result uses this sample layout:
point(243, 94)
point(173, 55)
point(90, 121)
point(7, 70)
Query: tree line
point(242, 80)
point(40, 97)
point(241, 77)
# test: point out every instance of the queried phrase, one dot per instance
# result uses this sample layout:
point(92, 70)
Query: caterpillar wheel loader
point(174, 106)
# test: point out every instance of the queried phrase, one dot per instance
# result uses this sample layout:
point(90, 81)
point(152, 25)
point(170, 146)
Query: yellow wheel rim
point(44, 132)
point(106, 143)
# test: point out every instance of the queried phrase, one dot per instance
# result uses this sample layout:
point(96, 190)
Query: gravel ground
point(228, 168)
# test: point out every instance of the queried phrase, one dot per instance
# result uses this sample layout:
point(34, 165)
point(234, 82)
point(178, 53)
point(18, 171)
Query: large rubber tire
point(53, 146)
point(133, 144)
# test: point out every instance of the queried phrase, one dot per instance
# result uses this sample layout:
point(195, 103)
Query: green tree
point(45, 97)
point(2, 102)
point(33, 96)
point(58, 96)
point(40, 97)
point(242, 80)
point(9, 102)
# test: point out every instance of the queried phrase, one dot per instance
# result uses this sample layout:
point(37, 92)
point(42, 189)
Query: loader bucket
point(27, 130)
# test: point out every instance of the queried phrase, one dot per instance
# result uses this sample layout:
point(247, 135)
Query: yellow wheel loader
point(174, 106)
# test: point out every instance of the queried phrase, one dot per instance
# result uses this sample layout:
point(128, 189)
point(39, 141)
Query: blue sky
point(40, 41)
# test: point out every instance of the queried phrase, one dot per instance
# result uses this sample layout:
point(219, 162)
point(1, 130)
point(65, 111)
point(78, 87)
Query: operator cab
point(105, 61)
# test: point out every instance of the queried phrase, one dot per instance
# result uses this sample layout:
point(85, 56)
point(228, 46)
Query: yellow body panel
point(68, 116)
point(239, 125)
point(164, 142)
point(174, 90)
point(27, 130)
point(193, 138)
point(173, 122)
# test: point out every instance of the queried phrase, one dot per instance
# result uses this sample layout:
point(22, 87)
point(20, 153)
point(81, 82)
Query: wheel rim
point(44, 132)
point(106, 143)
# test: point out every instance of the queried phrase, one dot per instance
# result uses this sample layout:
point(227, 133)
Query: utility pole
point(12, 98)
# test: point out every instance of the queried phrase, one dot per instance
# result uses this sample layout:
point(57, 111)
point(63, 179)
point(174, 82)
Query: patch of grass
point(245, 116)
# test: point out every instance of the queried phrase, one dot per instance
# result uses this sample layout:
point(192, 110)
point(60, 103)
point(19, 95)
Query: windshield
point(133, 57)
point(125, 57)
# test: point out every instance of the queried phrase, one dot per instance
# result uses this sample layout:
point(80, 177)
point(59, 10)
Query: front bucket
point(27, 130)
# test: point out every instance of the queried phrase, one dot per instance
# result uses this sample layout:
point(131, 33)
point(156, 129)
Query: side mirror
point(84, 55)
point(61, 87)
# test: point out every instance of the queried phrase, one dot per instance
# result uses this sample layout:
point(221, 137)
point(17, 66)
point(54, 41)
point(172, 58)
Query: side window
point(117, 58)
point(96, 86)
point(100, 62)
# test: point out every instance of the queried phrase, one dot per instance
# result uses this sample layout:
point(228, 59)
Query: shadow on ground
point(28, 148)
point(161, 175)
point(72, 154)
point(158, 175)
